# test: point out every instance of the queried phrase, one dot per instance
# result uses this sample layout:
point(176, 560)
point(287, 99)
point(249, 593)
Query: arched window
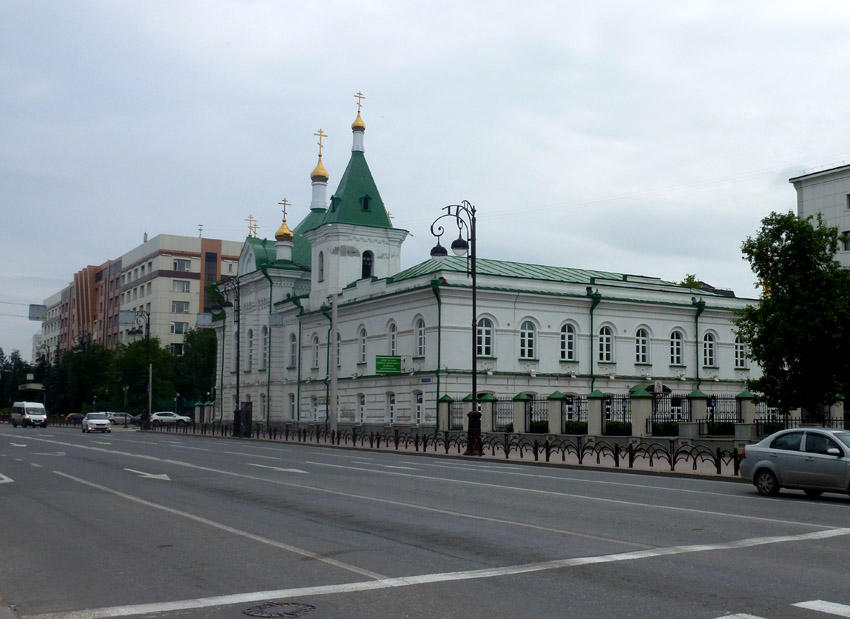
point(568, 343)
point(367, 264)
point(293, 350)
point(315, 349)
point(391, 407)
point(314, 408)
point(419, 401)
point(420, 338)
point(641, 346)
point(392, 340)
point(361, 407)
point(292, 406)
point(676, 348)
point(740, 353)
point(321, 269)
point(264, 360)
point(338, 349)
point(605, 345)
point(709, 350)
point(250, 346)
point(484, 338)
point(526, 340)
point(361, 345)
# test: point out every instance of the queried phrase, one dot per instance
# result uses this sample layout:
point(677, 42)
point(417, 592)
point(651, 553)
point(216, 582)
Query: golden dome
point(283, 233)
point(358, 123)
point(319, 173)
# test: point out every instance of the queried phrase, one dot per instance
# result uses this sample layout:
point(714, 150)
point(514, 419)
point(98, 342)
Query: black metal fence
point(537, 416)
point(574, 415)
point(503, 415)
point(618, 415)
point(456, 415)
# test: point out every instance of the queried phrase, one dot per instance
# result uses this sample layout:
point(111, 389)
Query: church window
point(568, 343)
point(641, 346)
point(321, 274)
point(293, 350)
point(264, 360)
point(740, 353)
point(315, 349)
point(361, 342)
point(368, 259)
point(606, 345)
point(676, 348)
point(250, 350)
point(709, 350)
point(420, 338)
point(392, 348)
point(364, 203)
point(484, 338)
point(526, 340)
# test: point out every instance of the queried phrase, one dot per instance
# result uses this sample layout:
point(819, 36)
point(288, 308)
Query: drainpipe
point(327, 315)
point(297, 303)
point(265, 273)
point(435, 288)
point(700, 305)
point(595, 299)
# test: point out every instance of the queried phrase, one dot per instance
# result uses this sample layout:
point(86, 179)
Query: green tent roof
point(301, 249)
point(356, 200)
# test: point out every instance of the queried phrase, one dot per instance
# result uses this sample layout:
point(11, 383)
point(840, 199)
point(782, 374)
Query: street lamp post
point(143, 321)
point(464, 245)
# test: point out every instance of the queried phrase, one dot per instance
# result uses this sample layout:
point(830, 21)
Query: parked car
point(119, 418)
point(136, 420)
point(96, 422)
point(169, 417)
point(814, 460)
point(29, 414)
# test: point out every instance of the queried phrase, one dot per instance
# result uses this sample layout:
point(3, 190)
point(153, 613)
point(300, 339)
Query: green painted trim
point(488, 397)
point(641, 394)
point(556, 395)
point(696, 394)
point(745, 395)
point(467, 398)
point(596, 395)
point(446, 398)
point(521, 397)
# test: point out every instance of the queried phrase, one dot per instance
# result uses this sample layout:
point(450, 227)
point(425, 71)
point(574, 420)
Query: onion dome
point(358, 124)
point(319, 174)
point(283, 233)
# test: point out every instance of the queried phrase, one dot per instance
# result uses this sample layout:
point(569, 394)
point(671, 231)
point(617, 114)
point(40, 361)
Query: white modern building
point(827, 192)
point(404, 338)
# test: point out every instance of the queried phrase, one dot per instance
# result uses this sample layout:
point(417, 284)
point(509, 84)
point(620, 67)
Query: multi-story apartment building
point(827, 192)
point(164, 278)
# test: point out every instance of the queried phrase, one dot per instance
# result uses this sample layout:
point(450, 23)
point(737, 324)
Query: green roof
point(520, 270)
point(302, 252)
point(265, 255)
point(356, 200)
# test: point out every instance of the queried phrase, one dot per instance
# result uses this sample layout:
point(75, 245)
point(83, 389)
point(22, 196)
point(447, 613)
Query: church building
point(324, 313)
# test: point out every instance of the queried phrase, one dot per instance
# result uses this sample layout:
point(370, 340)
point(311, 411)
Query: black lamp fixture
point(464, 245)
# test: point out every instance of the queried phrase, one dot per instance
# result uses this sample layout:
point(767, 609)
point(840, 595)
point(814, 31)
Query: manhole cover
point(279, 609)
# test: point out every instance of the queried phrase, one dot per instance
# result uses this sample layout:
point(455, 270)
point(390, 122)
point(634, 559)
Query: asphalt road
point(159, 525)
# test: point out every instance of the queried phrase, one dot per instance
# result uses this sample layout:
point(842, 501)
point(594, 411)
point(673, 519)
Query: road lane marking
point(426, 579)
point(387, 466)
point(571, 495)
point(239, 453)
point(36, 465)
point(161, 476)
point(102, 442)
point(439, 479)
point(187, 447)
point(740, 616)
point(830, 608)
point(223, 527)
point(5, 480)
point(277, 468)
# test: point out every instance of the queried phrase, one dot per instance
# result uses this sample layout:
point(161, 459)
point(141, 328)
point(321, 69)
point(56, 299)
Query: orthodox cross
point(321, 134)
point(284, 203)
point(253, 226)
point(359, 96)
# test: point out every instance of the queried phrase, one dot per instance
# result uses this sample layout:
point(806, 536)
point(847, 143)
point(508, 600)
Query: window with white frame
point(740, 353)
point(709, 350)
point(527, 340)
point(264, 359)
point(179, 328)
point(361, 407)
point(392, 339)
point(292, 406)
point(179, 264)
point(338, 349)
point(641, 346)
point(845, 240)
point(484, 338)
point(179, 307)
point(315, 349)
point(676, 348)
point(420, 338)
point(250, 351)
point(179, 285)
point(605, 345)
point(419, 400)
point(391, 407)
point(361, 345)
point(568, 343)
point(293, 350)
point(321, 270)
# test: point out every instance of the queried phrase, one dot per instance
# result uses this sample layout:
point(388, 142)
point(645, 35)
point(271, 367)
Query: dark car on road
point(814, 460)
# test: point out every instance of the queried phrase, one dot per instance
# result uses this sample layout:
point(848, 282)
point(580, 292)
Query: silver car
point(814, 460)
point(96, 422)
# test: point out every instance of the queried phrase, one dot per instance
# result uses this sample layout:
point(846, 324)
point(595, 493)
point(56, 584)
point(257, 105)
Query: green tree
point(84, 374)
point(690, 281)
point(131, 370)
point(195, 373)
point(800, 332)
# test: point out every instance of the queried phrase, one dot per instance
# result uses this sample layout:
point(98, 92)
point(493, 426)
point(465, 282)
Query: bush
point(539, 427)
point(575, 427)
point(720, 427)
point(665, 428)
point(509, 427)
point(618, 428)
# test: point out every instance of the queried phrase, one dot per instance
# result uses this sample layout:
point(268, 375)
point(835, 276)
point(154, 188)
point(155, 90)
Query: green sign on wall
point(385, 364)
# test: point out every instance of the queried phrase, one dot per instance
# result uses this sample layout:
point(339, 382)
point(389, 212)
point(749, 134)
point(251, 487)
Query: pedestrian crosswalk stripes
point(829, 608)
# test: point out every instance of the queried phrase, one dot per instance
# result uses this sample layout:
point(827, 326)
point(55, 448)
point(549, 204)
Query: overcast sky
point(641, 137)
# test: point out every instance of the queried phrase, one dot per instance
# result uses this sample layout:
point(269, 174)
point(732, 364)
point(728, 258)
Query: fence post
point(641, 412)
point(488, 412)
point(443, 406)
point(595, 416)
point(520, 406)
point(746, 430)
point(556, 416)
